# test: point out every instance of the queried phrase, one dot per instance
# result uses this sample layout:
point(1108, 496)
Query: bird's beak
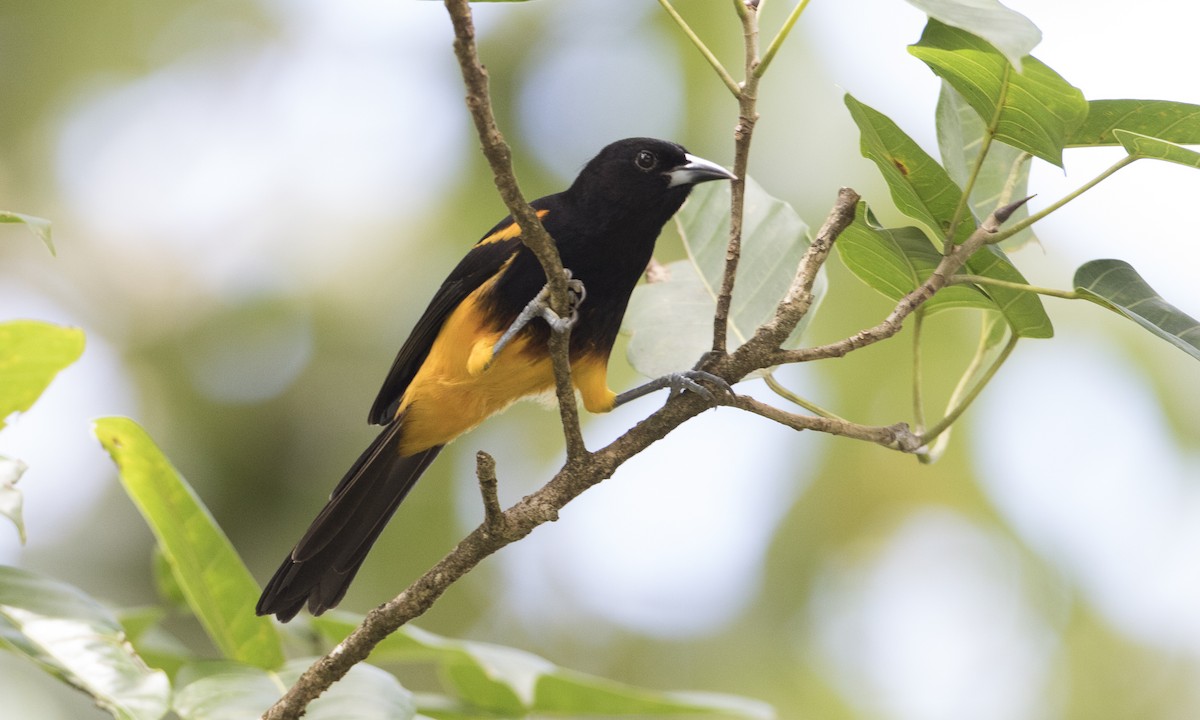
point(697, 170)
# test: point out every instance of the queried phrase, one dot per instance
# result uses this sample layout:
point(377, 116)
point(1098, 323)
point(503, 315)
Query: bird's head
point(638, 174)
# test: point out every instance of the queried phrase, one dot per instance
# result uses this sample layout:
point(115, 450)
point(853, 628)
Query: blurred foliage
point(321, 346)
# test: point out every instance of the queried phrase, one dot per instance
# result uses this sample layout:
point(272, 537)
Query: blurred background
point(254, 199)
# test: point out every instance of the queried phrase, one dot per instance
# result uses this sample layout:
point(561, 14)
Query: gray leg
point(539, 306)
point(678, 382)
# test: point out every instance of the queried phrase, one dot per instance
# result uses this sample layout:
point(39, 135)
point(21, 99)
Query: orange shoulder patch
point(508, 232)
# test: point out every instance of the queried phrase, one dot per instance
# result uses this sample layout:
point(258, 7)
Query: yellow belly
point(453, 392)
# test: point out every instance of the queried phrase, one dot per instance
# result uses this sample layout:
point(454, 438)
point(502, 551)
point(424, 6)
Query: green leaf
point(895, 261)
point(1143, 146)
point(1115, 285)
point(920, 188)
point(11, 501)
point(217, 585)
point(670, 321)
point(159, 648)
point(578, 695)
point(1007, 30)
point(1023, 310)
point(1172, 121)
point(166, 583)
point(493, 679)
point(923, 190)
point(1034, 110)
point(1004, 175)
point(232, 691)
point(38, 226)
point(31, 354)
point(74, 638)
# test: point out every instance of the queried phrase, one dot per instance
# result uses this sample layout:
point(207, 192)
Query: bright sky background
point(1097, 487)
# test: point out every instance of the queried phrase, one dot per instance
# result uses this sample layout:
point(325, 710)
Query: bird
point(453, 371)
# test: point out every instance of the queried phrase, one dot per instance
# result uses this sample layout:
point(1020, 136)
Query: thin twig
point(907, 305)
point(756, 352)
point(897, 437)
point(742, 134)
point(564, 390)
point(485, 471)
point(708, 54)
point(782, 35)
point(782, 391)
point(533, 233)
point(499, 156)
point(1037, 216)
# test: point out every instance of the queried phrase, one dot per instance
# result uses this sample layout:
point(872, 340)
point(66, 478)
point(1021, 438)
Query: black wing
point(482, 262)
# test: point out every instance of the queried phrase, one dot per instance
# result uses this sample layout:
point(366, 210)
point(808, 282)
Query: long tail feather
point(321, 566)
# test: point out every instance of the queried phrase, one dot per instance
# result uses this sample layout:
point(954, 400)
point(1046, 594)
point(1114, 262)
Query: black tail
point(321, 566)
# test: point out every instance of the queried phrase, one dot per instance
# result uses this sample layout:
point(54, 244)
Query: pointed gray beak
point(697, 170)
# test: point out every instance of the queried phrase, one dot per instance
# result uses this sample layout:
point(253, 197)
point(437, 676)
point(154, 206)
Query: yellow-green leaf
point(31, 354)
point(218, 587)
point(38, 226)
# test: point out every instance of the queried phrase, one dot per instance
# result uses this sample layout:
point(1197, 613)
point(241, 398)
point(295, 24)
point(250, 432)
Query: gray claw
point(539, 306)
point(678, 382)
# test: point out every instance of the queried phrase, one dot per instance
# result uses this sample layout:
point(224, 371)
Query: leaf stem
point(989, 134)
point(708, 54)
point(957, 409)
point(782, 35)
point(1035, 217)
point(917, 394)
point(786, 394)
point(1023, 287)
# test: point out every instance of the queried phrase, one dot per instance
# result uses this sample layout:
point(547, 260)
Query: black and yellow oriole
point(445, 379)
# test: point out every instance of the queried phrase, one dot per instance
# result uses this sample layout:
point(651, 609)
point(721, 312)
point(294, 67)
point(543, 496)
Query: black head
point(643, 174)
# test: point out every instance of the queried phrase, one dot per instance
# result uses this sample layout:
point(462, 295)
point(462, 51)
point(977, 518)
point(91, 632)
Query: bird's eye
point(645, 160)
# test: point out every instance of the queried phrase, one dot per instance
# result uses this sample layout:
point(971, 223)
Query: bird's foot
point(539, 306)
point(679, 382)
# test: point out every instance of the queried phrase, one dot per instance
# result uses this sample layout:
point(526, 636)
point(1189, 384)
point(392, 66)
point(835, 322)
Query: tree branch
point(985, 234)
point(512, 525)
point(796, 303)
point(499, 156)
point(896, 437)
point(742, 134)
point(485, 471)
point(582, 470)
point(533, 233)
